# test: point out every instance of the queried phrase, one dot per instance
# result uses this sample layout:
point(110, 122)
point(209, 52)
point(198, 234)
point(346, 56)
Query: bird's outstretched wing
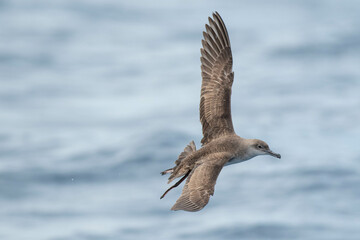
point(201, 182)
point(217, 79)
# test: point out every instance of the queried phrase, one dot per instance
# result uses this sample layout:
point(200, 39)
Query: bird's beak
point(271, 153)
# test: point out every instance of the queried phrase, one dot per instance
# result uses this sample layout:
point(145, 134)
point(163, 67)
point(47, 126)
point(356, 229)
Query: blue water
point(98, 97)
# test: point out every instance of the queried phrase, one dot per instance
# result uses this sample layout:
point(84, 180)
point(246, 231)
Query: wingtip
point(175, 207)
point(218, 19)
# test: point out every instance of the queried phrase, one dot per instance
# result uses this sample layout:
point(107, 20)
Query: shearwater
point(220, 145)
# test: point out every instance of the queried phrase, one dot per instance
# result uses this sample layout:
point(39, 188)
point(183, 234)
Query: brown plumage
point(217, 79)
point(201, 182)
point(220, 145)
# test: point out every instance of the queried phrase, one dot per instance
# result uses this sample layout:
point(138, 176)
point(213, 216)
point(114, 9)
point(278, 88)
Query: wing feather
point(217, 79)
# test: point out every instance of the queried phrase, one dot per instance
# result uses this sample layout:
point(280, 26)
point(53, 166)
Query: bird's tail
point(170, 170)
point(190, 148)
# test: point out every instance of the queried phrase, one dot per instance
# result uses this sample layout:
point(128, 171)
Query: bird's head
point(258, 147)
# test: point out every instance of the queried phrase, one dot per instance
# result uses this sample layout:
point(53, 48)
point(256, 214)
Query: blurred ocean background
point(97, 97)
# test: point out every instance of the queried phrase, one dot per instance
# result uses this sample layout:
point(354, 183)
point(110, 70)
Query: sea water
point(98, 97)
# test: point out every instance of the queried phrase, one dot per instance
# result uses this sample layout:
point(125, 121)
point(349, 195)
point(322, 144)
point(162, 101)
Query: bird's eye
point(259, 146)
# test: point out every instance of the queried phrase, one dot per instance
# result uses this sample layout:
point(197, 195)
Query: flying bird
point(220, 144)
